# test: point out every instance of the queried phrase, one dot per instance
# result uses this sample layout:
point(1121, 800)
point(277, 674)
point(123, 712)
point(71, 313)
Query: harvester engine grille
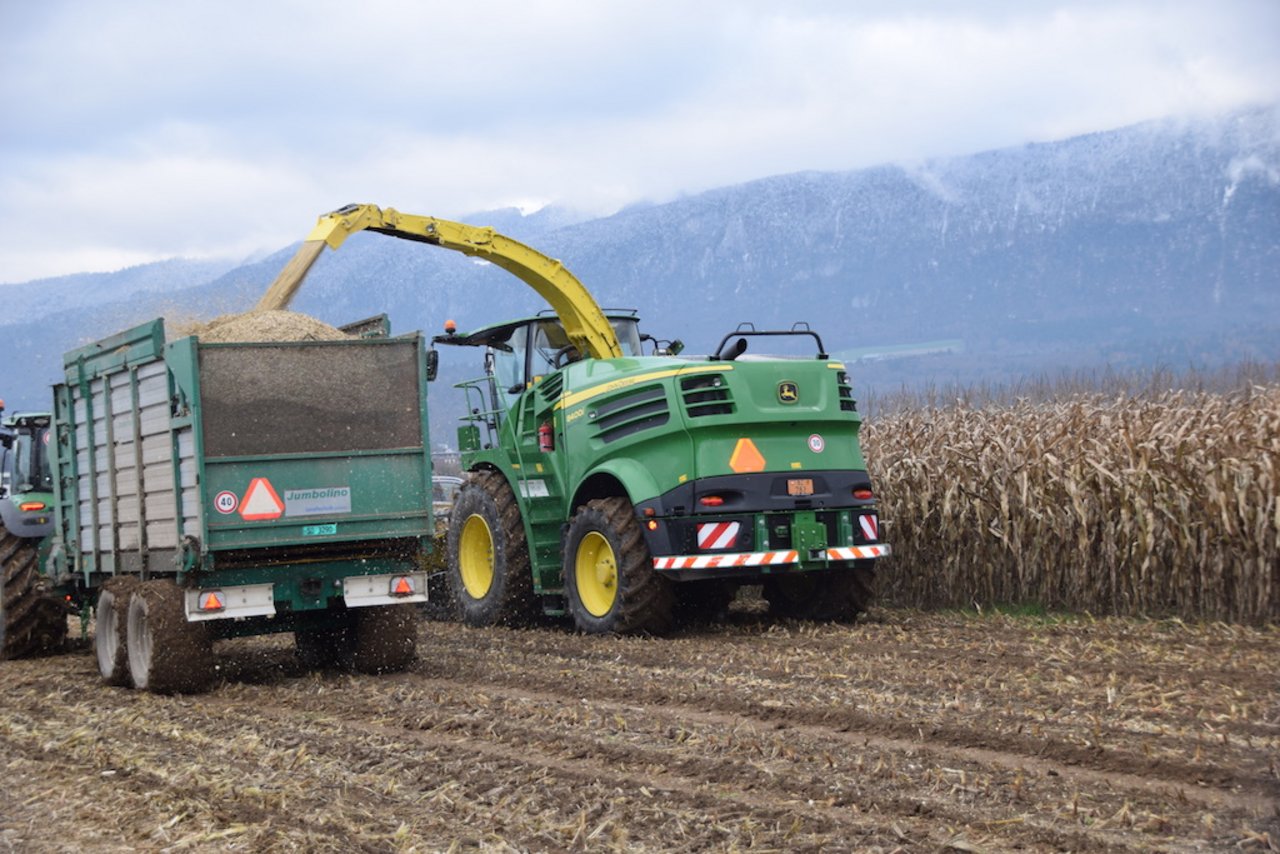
point(630, 413)
point(706, 394)
point(847, 403)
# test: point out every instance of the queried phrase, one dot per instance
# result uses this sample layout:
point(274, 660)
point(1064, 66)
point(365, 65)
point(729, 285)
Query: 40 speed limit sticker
point(226, 502)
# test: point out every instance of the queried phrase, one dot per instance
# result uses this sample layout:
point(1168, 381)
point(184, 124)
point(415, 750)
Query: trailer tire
point(609, 580)
point(110, 634)
point(167, 654)
point(838, 595)
point(31, 621)
point(317, 649)
point(490, 575)
point(383, 639)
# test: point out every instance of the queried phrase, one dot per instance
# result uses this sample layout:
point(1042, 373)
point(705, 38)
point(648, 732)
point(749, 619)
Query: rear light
point(402, 585)
point(211, 600)
point(29, 506)
point(863, 494)
point(653, 524)
point(711, 501)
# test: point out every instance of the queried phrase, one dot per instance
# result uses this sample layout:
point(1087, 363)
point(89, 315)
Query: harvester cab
point(518, 355)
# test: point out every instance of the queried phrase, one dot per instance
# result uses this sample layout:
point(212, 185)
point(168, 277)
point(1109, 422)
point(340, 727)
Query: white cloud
point(147, 130)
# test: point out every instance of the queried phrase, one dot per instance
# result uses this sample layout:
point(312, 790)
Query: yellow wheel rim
point(475, 557)
point(596, 573)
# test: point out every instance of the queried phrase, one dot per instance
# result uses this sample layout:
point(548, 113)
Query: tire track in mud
point(1139, 790)
point(1155, 785)
point(769, 788)
point(340, 722)
point(727, 737)
point(1009, 732)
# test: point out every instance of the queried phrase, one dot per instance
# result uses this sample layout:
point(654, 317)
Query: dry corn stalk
point(1164, 504)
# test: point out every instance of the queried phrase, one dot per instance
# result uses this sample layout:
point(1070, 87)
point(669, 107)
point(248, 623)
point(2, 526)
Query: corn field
point(1163, 504)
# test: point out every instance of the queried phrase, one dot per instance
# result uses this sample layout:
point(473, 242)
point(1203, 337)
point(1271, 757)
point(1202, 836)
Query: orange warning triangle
point(746, 457)
point(260, 502)
point(403, 587)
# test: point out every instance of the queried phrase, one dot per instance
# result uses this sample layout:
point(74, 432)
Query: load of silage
point(260, 326)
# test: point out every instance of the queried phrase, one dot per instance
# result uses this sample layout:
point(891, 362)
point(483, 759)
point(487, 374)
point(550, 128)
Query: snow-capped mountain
point(1158, 243)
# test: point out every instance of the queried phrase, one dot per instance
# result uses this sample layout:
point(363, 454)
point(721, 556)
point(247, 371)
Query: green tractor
point(33, 618)
point(620, 487)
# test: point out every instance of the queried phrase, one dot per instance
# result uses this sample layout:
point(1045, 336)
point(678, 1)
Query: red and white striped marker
point(717, 535)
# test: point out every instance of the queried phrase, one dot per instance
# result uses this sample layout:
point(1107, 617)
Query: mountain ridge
point(1149, 244)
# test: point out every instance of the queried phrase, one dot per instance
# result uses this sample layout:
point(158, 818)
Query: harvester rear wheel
point(838, 595)
point(490, 576)
point(609, 580)
point(167, 654)
point(110, 638)
point(31, 621)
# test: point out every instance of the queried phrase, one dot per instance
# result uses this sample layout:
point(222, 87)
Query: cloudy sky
point(132, 131)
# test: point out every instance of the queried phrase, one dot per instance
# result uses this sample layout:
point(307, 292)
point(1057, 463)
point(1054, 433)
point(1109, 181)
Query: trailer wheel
point(838, 595)
point(110, 639)
point(167, 654)
point(384, 639)
point(317, 649)
point(609, 580)
point(490, 575)
point(31, 621)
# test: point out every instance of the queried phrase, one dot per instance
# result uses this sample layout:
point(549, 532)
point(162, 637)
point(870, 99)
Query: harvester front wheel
point(111, 622)
point(31, 621)
point(490, 577)
point(609, 580)
point(167, 654)
point(838, 595)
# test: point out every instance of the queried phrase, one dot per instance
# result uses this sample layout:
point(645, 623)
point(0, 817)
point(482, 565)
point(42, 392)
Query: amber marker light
point(212, 601)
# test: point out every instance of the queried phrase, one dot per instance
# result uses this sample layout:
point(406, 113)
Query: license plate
point(800, 486)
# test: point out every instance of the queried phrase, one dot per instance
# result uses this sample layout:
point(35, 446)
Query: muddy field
point(907, 732)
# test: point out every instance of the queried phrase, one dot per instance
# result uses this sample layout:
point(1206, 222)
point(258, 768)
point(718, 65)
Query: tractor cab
point(26, 477)
point(518, 355)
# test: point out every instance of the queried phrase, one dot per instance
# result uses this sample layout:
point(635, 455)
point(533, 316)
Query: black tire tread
point(384, 638)
point(31, 621)
point(511, 600)
point(182, 652)
point(645, 601)
point(115, 594)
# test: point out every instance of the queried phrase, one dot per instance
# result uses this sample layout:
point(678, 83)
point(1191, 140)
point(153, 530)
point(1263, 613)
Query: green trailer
point(207, 491)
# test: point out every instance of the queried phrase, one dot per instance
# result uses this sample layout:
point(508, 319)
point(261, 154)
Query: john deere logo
point(788, 392)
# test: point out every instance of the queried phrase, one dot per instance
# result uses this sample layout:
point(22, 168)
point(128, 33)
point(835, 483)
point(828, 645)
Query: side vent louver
point(551, 386)
point(630, 413)
point(706, 394)
point(847, 403)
